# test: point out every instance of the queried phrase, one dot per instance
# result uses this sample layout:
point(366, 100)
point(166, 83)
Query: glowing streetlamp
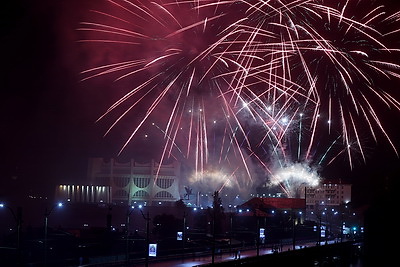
point(147, 219)
point(46, 219)
point(18, 220)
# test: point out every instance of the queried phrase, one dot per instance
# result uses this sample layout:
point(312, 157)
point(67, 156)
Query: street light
point(231, 228)
point(46, 219)
point(128, 214)
point(183, 234)
point(147, 219)
point(258, 234)
point(18, 220)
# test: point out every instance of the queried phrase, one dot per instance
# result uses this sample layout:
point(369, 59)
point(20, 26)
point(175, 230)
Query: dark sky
point(48, 116)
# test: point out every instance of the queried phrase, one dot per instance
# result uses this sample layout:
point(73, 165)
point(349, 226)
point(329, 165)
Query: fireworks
point(249, 81)
point(210, 180)
point(293, 177)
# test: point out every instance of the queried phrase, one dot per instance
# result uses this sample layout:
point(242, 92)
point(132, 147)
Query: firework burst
point(178, 64)
point(292, 178)
point(333, 57)
point(228, 80)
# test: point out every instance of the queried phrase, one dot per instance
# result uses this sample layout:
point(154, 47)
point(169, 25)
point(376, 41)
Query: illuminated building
point(332, 193)
point(110, 181)
point(83, 193)
point(132, 182)
point(272, 207)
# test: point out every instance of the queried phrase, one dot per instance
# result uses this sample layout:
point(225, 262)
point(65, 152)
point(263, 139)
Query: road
point(199, 260)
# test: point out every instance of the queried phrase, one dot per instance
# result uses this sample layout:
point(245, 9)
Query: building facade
point(137, 183)
point(328, 194)
point(276, 207)
point(83, 193)
point(268, 204)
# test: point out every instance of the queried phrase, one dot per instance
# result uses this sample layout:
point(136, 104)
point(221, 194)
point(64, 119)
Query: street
point(229, 256)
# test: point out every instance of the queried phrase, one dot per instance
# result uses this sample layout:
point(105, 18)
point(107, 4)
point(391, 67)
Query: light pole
point(293, 231)
point(46, 219)
point(147, 218)
point(258, 235)
point(128, 214)
point(183, 234)
point(231, 228)
point(18, 220)
point(213, 236)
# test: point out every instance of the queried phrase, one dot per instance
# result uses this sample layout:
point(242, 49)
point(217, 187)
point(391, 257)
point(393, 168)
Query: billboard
point(262, 233)
point(152, 250)
point(179, 235)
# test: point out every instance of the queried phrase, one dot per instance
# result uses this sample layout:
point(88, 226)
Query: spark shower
point(230, 85)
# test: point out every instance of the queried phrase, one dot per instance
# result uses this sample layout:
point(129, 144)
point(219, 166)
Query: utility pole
point(19, 223)
point(128, 214)
point(258, 236)
point(46, 219)
point(231, 232)
point(213, 239)
point(147, 218)
point(183, 234)
point(18, 220)
point(293, 230)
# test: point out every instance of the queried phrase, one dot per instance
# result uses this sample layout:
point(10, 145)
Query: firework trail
point(228, 80)
point(174, 77)
point(333, 56)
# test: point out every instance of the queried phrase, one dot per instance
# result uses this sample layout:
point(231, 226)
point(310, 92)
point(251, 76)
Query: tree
point(165, 225)
point(180, 205)
point(217, 214)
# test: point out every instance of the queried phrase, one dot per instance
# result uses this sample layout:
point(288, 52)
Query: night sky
point(48, 116)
